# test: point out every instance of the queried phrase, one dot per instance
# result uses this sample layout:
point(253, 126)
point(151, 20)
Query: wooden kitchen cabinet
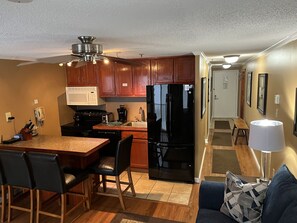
point(162, 70)
point(106, 79)
point(184, 70)
point(139, 150)
point(82, 76)
point(123, 80)
point(141, 77)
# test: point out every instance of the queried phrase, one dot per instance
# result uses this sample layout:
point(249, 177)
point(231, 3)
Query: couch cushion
point(243, 201)
point(280, 204)
point(212, 216)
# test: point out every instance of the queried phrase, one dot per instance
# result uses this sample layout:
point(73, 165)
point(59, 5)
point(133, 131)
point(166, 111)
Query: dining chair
point(3, 193)
point(16, 169)
point(50, 176)
point(114, 166)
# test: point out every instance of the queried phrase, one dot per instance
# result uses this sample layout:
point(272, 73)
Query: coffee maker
point(122, 112)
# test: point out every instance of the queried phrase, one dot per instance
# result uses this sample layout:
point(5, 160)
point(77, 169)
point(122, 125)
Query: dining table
point(76, 152)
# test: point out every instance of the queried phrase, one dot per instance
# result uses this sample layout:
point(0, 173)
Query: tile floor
point(156, 190)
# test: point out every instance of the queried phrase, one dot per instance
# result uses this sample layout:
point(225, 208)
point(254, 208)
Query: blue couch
point(280, 204)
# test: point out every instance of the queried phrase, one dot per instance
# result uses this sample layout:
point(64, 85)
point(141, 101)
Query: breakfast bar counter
point(74, 151)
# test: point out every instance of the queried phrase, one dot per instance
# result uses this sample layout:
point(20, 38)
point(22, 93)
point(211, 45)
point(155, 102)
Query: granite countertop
point(80, 146)
point(122, 127)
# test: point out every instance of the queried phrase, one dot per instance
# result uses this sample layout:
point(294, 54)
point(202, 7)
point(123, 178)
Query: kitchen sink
point(136, 124)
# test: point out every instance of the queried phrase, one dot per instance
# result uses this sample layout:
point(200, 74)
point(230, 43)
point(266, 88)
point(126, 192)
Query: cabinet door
point(124, 81)
point(86, 75)
point(184, 70)
point(106, 79)
point(73, 76)
point(162, 70)
point(89, 74)
point(139, 154)
point(141, 77)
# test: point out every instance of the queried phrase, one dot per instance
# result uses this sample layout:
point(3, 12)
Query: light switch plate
point(7, 115)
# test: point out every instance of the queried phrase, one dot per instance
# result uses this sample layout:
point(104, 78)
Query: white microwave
point(82, 96)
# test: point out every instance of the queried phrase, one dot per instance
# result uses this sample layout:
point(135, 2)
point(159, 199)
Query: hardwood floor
point(104, 209)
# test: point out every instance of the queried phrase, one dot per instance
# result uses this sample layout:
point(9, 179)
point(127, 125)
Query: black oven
point(83, 127)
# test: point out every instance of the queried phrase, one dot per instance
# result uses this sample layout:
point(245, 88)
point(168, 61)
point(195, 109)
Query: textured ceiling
point(128, 28)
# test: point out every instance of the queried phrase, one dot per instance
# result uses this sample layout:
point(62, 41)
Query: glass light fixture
point(106, 60)
point(69, 64)
point(231, 58)
point(61, 64)
point(226, 65)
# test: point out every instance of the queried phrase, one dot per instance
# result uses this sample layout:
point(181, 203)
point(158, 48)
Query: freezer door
point(171, 162)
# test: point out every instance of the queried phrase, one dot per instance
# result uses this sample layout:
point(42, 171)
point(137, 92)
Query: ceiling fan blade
point(122, 60)
point(58, 59)
point(80, 64)
point(26, 63)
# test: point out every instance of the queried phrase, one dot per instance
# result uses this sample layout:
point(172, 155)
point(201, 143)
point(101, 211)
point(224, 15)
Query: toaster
point(108, 117)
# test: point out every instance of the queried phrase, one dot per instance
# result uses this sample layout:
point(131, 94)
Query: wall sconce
point(231, 58)
point(226, 65)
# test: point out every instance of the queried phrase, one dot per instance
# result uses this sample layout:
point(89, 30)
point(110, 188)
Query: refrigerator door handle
point(169, 115)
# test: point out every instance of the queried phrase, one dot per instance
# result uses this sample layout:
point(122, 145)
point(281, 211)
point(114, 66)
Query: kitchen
point(56, 110)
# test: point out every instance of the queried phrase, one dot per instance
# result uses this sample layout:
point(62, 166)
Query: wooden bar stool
point(114, 166)
point(16, 169)
point(49, 176)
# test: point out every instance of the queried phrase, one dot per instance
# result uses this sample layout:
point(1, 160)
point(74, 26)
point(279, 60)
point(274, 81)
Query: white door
point(225, 93)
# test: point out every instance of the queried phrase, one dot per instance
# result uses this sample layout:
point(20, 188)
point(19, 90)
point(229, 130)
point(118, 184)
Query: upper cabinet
point(184, 70)
point(106, 79)
point(82, 76)
point(178, 70)
point(162, 70)
point(123, 80)
point(126, 80)
point(141, 77)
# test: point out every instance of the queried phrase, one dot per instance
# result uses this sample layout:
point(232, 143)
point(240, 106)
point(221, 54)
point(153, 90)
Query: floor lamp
point(266, 136)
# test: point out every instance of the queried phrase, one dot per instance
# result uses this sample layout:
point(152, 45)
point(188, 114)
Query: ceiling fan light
point(69, 63)
point(61, 64)
point(106, 61)
point(231, 58)
point(226, 65)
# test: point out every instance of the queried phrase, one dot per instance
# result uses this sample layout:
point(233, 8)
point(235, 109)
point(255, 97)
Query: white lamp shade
point(266, 135)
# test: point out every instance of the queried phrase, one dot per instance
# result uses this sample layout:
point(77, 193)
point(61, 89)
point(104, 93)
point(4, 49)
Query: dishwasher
point(113, 135)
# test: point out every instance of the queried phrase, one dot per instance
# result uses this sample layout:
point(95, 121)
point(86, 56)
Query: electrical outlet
point(7, 115)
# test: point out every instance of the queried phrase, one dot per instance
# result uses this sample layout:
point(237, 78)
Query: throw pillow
point(243, 201)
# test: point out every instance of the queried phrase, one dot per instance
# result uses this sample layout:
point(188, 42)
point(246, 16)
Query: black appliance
point(84, 120)
point(170, 119)
point(122, 113)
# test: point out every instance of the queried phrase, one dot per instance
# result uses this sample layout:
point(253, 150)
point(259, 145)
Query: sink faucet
point(141, 112)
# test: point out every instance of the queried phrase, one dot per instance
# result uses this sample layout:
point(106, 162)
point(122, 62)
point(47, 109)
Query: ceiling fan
point(82, 53)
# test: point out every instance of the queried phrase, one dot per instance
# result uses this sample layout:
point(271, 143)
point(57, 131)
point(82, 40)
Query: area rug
point(221, 139)
point(134, 218)
point(222, 125)
point(224, 160)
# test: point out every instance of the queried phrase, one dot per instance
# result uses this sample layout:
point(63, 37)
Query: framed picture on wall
point(249, 84)
point(203, 96)
point(262, 93)
point(295, 115)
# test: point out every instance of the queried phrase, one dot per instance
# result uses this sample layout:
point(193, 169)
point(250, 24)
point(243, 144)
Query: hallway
point(247, 163)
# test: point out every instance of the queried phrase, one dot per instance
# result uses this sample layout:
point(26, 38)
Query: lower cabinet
point(139, 151)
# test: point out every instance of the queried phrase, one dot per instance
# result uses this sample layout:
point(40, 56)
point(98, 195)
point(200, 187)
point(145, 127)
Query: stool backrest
point(16, 168)
point(123, 153)
point(47, 172)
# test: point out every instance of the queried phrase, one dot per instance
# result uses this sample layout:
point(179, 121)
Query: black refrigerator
point(170, 119)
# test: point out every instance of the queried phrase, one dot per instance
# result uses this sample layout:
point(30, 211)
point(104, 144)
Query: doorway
point(225, 94)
